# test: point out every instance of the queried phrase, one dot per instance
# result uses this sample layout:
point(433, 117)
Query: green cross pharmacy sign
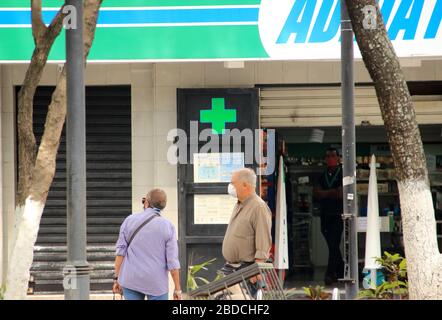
point(218, 116)
point(207, 30)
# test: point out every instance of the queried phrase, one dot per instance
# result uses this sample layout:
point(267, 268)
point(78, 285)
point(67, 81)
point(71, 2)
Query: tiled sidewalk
point(104, 296)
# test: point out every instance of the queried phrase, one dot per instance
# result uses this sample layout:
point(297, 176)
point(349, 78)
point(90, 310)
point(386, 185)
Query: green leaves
point(193, 270)
point(191, 283)
point(196, 268)
point(367, 294)
point(308, 291)
point(2, 292)
point(316, 293)
point(403, 268)
point(395, 270)
point(204, 280)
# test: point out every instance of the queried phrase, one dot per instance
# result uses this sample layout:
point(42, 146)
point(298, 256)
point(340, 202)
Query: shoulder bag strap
point(140, 227)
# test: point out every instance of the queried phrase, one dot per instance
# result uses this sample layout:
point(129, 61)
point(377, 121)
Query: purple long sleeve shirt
point(151, 254)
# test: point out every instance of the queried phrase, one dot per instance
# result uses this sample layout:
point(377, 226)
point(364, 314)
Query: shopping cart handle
point(243, 274)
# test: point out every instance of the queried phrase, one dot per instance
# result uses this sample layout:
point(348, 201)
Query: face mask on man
point(332, 162)
point(231, 190)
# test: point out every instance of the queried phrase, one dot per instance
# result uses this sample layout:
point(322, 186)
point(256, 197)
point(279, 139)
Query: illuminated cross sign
point(218, 116)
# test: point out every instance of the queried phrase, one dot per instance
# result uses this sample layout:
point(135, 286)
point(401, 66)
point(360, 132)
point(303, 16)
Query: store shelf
point(301, 223)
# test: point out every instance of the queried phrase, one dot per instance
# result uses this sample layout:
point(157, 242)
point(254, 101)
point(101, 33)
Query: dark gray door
point(109, 181)
point(201, 242)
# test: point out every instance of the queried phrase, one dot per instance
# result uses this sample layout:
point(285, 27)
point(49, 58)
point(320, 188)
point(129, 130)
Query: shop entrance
point(308, 121)
point(304, 159)
point(206, 160)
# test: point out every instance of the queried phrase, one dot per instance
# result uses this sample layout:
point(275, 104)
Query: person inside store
point(146, 250)
point(248, 237)
point(328, 191)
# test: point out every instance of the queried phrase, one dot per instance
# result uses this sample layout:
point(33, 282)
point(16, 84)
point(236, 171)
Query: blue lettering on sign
point(318, 32)
point(435, 21)
point(401, 22)
point(387, 9)
point(297, 23)
point(406, 18)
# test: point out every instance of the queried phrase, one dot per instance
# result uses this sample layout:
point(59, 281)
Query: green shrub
point(316, 293)
point(192, 271)
point(2, 292)
point(394, 267)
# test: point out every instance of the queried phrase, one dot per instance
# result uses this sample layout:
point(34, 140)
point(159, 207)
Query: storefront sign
point(167, 30)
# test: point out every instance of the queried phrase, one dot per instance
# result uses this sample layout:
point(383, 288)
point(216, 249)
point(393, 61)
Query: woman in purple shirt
point(146, 250)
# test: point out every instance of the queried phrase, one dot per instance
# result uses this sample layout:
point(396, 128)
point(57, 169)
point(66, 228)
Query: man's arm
point(335, 193)
point(173, 263)
point(263, 233)
point(121, 247)
point(320, 193)
point(263, 237)
point(177, 293)
point(118, 262)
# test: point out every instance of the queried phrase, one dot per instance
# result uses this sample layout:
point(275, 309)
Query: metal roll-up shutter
point(321, 106)
point(109, 187)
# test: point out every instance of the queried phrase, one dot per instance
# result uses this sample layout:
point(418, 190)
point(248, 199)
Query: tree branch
point(38, 26)
point(56, 25)
point(91, 12)
point(392, 92)
point(44, 38)
point(44, 169)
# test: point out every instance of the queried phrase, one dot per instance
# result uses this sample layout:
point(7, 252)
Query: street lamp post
point(349, 156)
point(76, 273)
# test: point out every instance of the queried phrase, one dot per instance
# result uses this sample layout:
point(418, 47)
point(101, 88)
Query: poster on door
point(216, 167)
point(213, 208)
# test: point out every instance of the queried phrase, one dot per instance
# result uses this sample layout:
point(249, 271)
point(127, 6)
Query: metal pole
point(76, 272)
point(349, 155)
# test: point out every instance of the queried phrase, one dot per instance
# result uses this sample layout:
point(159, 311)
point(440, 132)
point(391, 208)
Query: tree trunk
point(42, 174)
point(44, 38)
point(419, 225)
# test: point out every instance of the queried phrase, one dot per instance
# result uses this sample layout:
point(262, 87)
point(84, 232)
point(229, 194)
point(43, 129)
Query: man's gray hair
point(157, 198)
point(247, 175)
